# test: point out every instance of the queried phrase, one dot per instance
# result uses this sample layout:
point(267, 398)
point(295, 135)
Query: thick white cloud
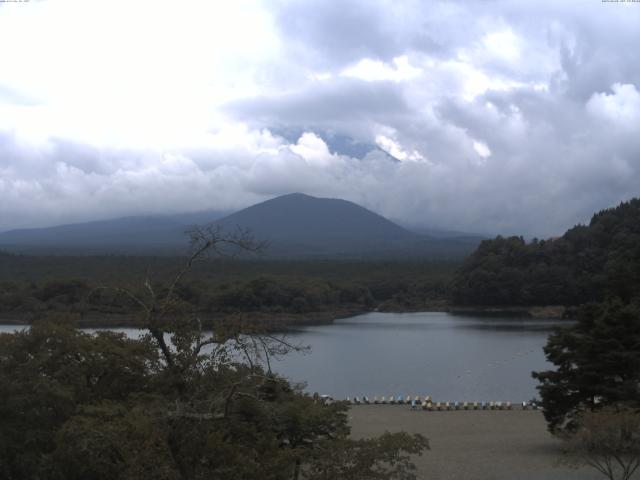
point(621, 108)
point(375, 70)
point(503, 118)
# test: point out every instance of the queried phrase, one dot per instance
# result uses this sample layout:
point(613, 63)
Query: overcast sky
point(503, 116)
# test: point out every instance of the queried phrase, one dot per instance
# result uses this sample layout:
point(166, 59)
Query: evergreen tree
point(588, 263)
point(597, 364)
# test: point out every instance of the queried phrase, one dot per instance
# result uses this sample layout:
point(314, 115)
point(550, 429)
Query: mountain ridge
point(295, 225)
point(300, 213)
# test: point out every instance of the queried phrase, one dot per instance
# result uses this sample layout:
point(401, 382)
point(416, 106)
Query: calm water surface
point(449, 357)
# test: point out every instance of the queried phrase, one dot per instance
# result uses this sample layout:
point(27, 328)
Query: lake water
point(450, 357)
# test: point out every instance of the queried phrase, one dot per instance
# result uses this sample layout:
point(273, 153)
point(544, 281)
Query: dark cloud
point(346, 105)
point(337, 33)
point(500, 117)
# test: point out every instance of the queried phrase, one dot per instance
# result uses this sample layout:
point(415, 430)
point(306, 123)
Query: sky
point(495, 117)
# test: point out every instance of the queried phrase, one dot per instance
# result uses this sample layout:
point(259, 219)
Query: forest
point(588, 263)
point(290, 291)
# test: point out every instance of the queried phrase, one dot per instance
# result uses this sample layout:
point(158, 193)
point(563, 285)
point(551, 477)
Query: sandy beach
point(491, 445)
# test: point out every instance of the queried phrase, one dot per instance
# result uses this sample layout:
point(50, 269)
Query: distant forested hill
point(150, 234)
point(302, 226)
point(588, 263)
point(295, 226)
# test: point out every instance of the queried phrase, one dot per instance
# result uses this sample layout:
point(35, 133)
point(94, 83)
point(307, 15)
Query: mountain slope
point(128, 234)
point(301, 218)
point(299, 225)
point(294, 225)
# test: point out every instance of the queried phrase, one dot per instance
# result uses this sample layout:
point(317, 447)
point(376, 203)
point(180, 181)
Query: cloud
point(501, 119)
point(481, 149)
point(392, 147)
point(347, 105)
point(622, 107)
point(372, 70)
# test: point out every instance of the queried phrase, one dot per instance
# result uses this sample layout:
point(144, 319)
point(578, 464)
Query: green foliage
point(47, 373)
point(113, 440)
point(588, 263)
point(65, 291)
point(597, 364)
point(177, 404)
point(33, 286)
point(79, 406)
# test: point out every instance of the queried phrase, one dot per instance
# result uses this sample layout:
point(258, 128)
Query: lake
point(450, 357)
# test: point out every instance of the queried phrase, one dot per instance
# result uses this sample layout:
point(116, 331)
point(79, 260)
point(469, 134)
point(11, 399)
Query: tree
point(47, 374)
point(607, 440)
point(597, 364)
point(178, 404)
point(588, 263)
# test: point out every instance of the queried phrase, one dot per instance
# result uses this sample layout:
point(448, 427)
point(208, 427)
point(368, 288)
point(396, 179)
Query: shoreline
point(282, 321)
point(271, 321)
point(553, 312)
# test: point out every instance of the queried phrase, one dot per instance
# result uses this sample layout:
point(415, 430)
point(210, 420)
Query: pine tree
point(598, 364)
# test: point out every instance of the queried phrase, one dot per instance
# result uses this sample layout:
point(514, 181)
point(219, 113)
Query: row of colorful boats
point(426, 403)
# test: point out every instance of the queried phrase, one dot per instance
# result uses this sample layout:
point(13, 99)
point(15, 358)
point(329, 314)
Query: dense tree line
point(33, 286)
point(588, 263)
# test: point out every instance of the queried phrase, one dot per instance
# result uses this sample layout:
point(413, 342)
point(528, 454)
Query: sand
point(492, 445)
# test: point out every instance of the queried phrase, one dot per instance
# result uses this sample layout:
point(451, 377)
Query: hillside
point(588, 263)
point(298, 225)
point(295, 225)
point(155, 234)
point(300, 217)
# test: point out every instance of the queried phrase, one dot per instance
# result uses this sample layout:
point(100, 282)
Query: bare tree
point(607, 440)
point(181, 338)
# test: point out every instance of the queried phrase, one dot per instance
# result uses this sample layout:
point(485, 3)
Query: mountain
point(294, 225)
point(301, 225)
point(336, 143)
point(156, 234)
point(302, 218)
